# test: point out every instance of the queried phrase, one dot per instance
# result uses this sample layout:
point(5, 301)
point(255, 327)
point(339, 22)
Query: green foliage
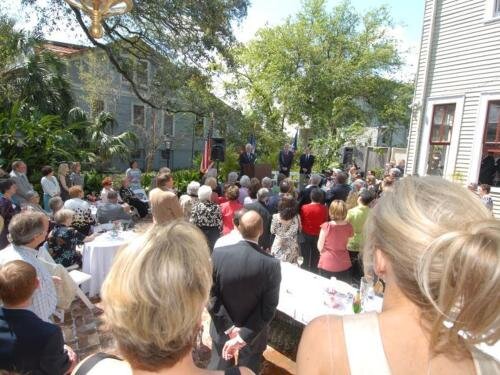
point(93, 181)
point(146, 179)
point(38, 140)
point(183, 177)
point(230, 163)
point(324, 70)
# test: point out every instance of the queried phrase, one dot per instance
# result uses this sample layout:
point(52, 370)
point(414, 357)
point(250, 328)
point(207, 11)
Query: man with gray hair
point(260, 206)
point(305, 194)
point(27, 231)
point(18, 174)
point(246, 159)
point(112, 210)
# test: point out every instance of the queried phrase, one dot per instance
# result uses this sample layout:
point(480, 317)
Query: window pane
point(168, 124)
point(497, 7)
point(139, 115)
point(437, 157)
point(142, 72)
point(493, 122)
point(442, 122)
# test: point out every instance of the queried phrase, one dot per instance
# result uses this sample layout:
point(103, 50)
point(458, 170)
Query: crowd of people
point(432, 244)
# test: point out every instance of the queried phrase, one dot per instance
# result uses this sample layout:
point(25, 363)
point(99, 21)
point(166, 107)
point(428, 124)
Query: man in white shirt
point(234, 236)
point(27, 231)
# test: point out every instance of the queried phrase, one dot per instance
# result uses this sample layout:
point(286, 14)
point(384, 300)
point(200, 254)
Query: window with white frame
point(490, 159)
point(168, 124)
point(443, 116)
point(496, 9)
point(138, 115)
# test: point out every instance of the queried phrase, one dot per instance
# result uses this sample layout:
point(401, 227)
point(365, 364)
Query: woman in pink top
point(229, 208)
point(334, 258)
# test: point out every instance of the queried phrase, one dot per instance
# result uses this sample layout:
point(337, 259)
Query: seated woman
point(207, 216)
point(438, 251)
point(63, 239)
point(156, 327)
point(107, 186)
point(128, 196)
point(33, 203)
point(83, 219)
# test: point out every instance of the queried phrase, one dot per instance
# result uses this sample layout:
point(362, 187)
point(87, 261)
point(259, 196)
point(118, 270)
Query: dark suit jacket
point(305, 195)
point(338, 192)
point(285, 161)
point(245, 292)
point(265, 239)
point(111, 212)
point(30, 345)
point(306, 162)
point(245, 160)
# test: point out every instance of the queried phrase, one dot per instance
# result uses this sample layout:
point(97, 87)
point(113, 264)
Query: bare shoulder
point(321, 345)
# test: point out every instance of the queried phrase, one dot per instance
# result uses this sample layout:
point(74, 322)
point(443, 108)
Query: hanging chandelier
point(98, 10)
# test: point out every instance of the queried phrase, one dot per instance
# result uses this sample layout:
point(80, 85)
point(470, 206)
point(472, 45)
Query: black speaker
point(218, 149)
point(347, 153)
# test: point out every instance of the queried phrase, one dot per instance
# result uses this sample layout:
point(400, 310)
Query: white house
point(455, 124)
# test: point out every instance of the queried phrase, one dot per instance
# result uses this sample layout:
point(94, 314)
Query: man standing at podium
point(285, 160)
point(246, 158)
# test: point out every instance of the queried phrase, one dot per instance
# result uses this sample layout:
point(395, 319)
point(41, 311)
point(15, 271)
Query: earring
point(378, 288)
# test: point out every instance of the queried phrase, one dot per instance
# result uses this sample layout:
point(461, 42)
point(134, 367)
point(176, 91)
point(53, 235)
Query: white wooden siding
point(423, 59)
point(464, 60)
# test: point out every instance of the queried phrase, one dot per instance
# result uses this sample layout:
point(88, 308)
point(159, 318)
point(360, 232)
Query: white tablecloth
point(98, 257)
point(303, 295)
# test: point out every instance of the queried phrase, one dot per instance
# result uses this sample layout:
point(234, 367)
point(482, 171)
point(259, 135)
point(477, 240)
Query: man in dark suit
point(305, 195)
point(306, 162)
point(340, 190)
point(260, 206)
point(27, 343)
point(285, 160)
point(246, 158)
point(243, 298)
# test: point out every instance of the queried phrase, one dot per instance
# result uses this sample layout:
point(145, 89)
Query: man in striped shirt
point(27, 231)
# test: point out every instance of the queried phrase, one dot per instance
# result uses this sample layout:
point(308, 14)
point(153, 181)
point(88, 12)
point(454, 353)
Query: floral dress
point(207, 216)
point(285, 246)
point(62, 244)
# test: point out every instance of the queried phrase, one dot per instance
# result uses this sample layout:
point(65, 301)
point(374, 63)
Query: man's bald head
point(251, 226)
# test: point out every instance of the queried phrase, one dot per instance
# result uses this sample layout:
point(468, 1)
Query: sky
point(407, 17)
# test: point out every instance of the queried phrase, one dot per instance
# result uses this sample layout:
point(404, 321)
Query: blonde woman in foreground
point(438, 251)
point(153, 299)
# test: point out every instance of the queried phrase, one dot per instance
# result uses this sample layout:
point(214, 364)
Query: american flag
point(207, 147)
point(205, 158)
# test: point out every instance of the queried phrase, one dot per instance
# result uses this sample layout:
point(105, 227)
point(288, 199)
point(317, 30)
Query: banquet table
point(303, 295)
point(98, 256)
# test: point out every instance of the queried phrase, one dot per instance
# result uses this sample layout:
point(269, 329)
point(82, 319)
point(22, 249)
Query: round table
point(98, 256)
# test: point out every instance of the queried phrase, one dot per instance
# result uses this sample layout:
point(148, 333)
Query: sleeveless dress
point(365, 351)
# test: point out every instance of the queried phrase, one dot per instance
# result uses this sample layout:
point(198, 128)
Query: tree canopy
point(189, 34)
point(323, 70)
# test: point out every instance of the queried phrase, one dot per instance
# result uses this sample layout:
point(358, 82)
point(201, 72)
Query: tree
point(186, 33)
point(98, 139)
point(314, 69)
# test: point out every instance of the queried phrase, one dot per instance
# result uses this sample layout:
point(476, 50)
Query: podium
point(259, 170)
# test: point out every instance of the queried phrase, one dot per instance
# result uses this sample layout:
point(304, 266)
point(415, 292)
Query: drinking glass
point(300, 260)
point(366, 289)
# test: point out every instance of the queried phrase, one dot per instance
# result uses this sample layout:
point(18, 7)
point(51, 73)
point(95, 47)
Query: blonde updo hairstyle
point(444, 250)
point(155, 293)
